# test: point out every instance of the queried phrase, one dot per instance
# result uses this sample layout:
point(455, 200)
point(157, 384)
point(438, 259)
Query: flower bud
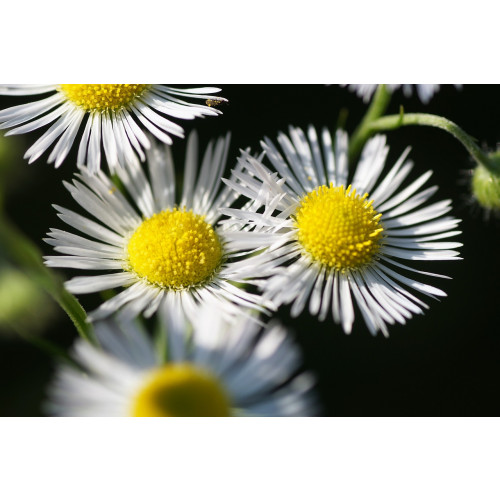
point(486, 188)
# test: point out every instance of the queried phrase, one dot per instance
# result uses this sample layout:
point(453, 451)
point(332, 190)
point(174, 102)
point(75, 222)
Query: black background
point(444, 363)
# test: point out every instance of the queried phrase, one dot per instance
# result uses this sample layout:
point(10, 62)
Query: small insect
point(215, 101)
point(112, 190)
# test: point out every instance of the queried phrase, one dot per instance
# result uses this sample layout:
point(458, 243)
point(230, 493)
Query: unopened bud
point(486, 188)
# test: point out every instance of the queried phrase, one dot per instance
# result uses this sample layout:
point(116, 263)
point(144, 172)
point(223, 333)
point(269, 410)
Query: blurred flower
point(424, 91)
point(24, 308)
point(486, 189)
point(335, 240)
point(221, 370)
point(115, 115)
point(172, 252)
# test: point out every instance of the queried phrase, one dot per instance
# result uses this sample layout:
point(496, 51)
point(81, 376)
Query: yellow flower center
point(175, 249)
point(338, 228)
point(181, 390)
point(102, 97)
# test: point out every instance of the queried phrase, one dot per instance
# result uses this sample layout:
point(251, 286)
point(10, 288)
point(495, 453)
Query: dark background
point(444, 363)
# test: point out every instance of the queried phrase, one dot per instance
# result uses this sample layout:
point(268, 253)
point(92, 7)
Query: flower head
point(167, 250)
point(222, 369)
point(339, 235)
point(115, 117)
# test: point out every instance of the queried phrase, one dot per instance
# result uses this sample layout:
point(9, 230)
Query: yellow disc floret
point(181, 390)
point(175, 249)
point(338, 228)
point(102, 97)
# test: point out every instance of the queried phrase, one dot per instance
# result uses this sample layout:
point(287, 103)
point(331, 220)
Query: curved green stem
point(377, 108)
point(392, 122)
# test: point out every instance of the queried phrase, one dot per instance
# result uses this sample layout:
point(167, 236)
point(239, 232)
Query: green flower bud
point(486, 188)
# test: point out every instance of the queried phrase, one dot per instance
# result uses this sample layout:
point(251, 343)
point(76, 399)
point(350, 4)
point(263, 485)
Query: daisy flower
point(115, 115)
point(343, 234)
point(168, 249)
point(222, 370)
point(424, 91)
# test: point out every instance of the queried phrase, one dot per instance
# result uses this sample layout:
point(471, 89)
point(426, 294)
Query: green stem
point(377, 108)
point(161, 342)
point(392, 122)
point(27, 255)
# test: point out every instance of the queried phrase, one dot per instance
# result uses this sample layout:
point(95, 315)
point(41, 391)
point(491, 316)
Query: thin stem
point(51, 349)
point(377, 108)
point(392, 122)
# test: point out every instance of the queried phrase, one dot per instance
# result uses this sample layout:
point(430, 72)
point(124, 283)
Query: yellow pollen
point(338, 228)
point(102, 97)
point(175, 249)
point(181, 390)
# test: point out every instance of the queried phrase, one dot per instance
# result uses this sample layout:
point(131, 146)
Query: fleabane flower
point(425, 91)
point(162, 248)
point(221, 369)
point(114, 116)
point(340, 235)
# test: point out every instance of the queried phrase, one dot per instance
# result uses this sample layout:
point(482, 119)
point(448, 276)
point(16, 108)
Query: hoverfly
point(213, 102)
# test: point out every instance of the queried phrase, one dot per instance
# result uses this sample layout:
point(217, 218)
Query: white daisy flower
point(221, 370)
point(425, 91)
point(115, 115)
point(168, 249)
point(338, 240)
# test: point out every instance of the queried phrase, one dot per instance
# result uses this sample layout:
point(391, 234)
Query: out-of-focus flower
point(115, 117)
point(24, 308)
point(171, 251)
point(335, 239)
point(425, 91)
point(221, 370)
